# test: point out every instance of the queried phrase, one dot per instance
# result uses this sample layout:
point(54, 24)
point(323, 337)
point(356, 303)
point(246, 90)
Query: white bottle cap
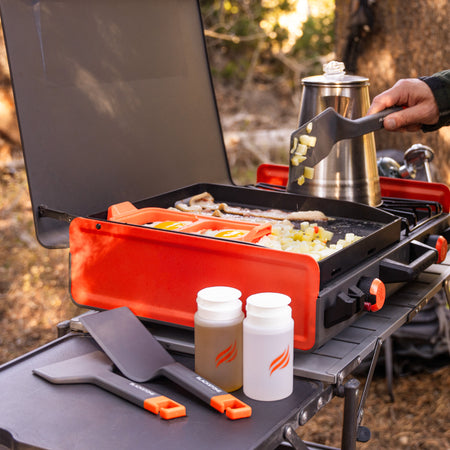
point(219, 303)
point(270, 309)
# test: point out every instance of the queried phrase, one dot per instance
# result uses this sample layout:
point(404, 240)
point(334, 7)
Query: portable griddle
point(115, 103)
point(124, 110)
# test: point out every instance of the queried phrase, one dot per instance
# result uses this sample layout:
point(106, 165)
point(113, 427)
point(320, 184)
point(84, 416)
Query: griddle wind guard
point(157, 273)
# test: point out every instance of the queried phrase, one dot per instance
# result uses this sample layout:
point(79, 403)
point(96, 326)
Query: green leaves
point(248, 37)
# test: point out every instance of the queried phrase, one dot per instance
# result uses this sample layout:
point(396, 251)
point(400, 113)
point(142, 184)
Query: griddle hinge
point(45, 211)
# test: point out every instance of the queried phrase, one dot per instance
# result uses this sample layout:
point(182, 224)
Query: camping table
point(37, 414)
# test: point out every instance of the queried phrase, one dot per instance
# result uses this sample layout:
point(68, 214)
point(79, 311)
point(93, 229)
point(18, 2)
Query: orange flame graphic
point(228, 355)
point(280, 362)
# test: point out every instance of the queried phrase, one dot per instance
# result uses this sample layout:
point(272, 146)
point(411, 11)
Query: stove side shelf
point(336, 359)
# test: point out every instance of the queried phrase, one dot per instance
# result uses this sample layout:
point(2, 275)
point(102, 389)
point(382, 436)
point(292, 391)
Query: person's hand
point(417, 98)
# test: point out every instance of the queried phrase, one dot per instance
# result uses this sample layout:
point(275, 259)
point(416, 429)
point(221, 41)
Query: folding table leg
point(447, 291)
point(350, 425)
point(389, 369)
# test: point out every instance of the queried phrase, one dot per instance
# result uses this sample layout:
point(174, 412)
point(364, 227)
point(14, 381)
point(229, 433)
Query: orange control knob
point(440, 244)
point(376, 291)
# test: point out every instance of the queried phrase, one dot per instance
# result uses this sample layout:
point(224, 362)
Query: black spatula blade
point(96, 368)
point(325, 130)
point(121, 335)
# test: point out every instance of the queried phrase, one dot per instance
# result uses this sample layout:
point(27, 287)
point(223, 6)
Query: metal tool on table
point(96, 368)
point(313, 141)
point(349, 172)
point(140, 357)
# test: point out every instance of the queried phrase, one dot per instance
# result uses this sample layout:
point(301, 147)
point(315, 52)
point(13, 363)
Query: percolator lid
point(334, 74)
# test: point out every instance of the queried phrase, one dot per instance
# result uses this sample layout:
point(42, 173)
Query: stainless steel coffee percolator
point(350, 170)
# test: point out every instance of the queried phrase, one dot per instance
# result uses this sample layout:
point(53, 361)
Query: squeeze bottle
point(218, 336)
point(268, 347)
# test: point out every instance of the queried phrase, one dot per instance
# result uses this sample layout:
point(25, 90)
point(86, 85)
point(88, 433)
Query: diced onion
point(310, 239)
point(297, 159)
point(294, 145)
point(302, 149)
point(308, 172)
point(310, 141)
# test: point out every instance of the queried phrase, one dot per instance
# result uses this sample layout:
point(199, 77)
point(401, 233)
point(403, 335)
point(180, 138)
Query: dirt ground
point(34, 298)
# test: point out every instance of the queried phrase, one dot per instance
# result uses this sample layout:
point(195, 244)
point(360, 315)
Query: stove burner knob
point(440, 244)
point(375, 290)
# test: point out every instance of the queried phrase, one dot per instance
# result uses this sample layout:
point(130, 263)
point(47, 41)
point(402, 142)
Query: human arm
point(426, 101)
point(439, 83)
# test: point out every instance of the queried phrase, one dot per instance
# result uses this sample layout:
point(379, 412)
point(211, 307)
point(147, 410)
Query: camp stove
point(124, 111)
point(327, 296)
point(147, 132)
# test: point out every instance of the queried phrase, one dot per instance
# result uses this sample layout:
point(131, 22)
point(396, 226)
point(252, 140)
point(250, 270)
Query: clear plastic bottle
point(218, 336)
point(268, 347)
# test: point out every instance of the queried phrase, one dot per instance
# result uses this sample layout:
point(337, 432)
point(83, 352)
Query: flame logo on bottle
point(280, 362)
point(227, 355)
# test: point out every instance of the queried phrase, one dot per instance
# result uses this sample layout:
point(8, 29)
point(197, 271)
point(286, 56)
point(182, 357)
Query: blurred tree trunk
point(407, 39)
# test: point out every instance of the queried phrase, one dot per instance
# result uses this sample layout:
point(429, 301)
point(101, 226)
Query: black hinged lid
point(114, 100)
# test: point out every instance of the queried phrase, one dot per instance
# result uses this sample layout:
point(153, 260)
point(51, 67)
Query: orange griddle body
point(157, 273)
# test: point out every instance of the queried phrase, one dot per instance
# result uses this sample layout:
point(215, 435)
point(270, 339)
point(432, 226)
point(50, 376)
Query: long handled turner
point(140, 357)
point(96, 368)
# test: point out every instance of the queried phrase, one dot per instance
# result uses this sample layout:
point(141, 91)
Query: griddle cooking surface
point(378, 228)
point(341, 226)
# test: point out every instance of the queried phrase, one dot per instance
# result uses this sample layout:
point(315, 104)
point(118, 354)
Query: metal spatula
point(140, 357)
point(326, 129)
point(96, 368)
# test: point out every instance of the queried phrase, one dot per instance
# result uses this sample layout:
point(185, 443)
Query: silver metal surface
point(350, 171)
point(420, 155)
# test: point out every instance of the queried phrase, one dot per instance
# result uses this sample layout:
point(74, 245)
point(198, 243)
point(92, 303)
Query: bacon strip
point(204, 204)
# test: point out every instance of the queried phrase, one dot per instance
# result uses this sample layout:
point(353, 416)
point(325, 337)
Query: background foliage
point(268, 38)
point(258, 52)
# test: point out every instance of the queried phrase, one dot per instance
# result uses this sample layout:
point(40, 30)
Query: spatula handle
point(140, 395)
point(206, 391)
point(373, 122)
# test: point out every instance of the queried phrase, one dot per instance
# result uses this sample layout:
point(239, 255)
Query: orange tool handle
point(165, 407)
point(141, 395)
point(234, 408)
point(206, 391)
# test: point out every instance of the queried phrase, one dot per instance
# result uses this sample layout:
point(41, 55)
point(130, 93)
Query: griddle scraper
point(314, 140)
point(140, 357)
point(96, 368)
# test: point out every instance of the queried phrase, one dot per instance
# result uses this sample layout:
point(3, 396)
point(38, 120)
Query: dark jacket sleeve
point(439, 83)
